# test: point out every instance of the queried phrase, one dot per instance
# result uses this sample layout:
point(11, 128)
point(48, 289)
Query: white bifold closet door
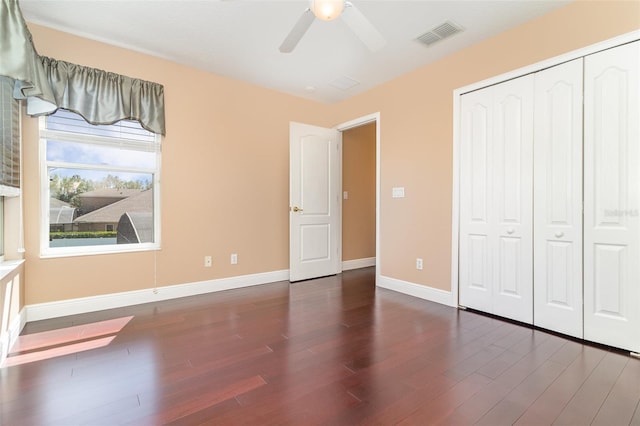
point(496, 256)
point(612, 197)
point(558, 199)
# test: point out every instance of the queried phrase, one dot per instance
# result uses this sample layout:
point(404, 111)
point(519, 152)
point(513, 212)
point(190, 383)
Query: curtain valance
point(103, 97)
point(47, 84)
point(19, 59)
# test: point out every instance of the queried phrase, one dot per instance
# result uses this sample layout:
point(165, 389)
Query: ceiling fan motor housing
point(327, 10)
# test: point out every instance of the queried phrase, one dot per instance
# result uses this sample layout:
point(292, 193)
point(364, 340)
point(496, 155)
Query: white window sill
point(96, 250)
point(8, 267)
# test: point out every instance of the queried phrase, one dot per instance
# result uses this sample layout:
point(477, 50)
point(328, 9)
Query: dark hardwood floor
point(330, 351)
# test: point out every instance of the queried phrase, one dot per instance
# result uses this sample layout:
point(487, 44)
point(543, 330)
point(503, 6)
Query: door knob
point(297, 209)
point(559, 234)
point(510, 231)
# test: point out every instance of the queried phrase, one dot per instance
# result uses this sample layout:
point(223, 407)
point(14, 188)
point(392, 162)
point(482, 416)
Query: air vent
point(428, 38)
point(344, 83)
point(440, 32)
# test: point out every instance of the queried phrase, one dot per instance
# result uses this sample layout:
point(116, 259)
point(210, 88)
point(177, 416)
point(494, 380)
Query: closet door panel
point(513, 198)
point(476, 241)
point(612, 197)
point(558, 199)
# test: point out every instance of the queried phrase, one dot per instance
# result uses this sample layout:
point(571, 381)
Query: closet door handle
point(510, 231)
point(559, 234)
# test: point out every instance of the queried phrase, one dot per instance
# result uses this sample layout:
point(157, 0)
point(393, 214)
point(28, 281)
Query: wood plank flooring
point(333, 351)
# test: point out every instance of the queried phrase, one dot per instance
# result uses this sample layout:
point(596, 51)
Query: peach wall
point(224, 181)
point(359, 180)
point(416, 122)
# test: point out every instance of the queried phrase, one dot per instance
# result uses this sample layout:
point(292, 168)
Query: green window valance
point(19, 59)
point(102, 97)
point(47, 84)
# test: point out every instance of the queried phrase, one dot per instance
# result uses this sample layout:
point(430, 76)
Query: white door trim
point(455, 211)
point(370, 118)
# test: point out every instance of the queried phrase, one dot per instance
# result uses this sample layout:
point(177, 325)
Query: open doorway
point(359, 196)
point(372, 138)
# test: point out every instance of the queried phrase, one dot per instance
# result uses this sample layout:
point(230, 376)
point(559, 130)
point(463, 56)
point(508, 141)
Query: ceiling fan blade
point(361, 26)
point(298, 30)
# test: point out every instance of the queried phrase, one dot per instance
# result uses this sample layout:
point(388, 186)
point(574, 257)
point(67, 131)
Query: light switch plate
point(345, 195)
point(397, 192)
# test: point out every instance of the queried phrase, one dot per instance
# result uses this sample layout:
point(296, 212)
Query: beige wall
point(225, 183)
point(225, 174)
point(416, 134)
point(359, 180)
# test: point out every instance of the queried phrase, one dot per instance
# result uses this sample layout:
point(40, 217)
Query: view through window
point(102, 185)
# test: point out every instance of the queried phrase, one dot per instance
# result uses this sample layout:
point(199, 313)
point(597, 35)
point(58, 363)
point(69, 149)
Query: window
point(1, 228)
point(10, 139)
point(100, 186)
point(9, 150)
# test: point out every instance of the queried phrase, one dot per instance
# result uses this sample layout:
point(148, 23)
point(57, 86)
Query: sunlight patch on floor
point(54, 343)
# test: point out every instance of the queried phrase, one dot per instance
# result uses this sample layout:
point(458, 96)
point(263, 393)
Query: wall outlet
point(208, 262)
point(234, 259)
point(419, 264)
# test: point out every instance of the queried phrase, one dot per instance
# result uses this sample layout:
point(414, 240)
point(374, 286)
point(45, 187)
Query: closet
point(612, 197)
point(496, 200)
point(557, 223)
point(549, 220)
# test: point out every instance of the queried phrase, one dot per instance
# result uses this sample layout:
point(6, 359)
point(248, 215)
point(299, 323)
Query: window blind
point(10, 136)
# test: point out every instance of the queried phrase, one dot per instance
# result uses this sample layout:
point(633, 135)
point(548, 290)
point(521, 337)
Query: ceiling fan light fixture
point(327, 10)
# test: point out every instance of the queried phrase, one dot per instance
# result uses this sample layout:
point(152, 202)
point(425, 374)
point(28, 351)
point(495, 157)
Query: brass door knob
point(297, 209)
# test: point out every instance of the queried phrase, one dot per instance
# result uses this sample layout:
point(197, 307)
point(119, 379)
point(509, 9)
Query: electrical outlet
point(419, 264)
point(234, 259)
point(208, 262)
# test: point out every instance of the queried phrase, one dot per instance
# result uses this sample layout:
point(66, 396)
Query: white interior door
point(476, 239)
point(513, 198)
point(558, 199)
point(314, 201)
point(496, 200)
point(612, 197)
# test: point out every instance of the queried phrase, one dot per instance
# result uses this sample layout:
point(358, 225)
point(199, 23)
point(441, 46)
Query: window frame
point(49, 252)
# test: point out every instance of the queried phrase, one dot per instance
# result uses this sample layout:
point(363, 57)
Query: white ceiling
point(240, 38)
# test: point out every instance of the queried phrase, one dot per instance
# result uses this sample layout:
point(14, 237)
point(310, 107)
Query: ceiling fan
point(328, 10)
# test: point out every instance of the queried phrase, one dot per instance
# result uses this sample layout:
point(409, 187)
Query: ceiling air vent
point(440, 32)
point(344, 83)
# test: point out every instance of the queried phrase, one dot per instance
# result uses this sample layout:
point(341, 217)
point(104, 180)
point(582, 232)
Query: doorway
point(366, 130)
point(316, 199)
point(359, 197)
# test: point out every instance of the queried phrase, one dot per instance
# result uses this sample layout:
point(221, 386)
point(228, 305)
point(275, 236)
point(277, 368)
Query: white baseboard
point(8, 338)
point(423, 292)
point(62, 308)
point(365, 262)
